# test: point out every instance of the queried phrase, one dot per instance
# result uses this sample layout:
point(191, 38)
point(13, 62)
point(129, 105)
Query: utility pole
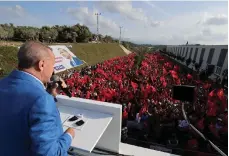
point(97, 14)
point(120, 34)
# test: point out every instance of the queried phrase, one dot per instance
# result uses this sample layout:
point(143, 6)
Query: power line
point(97, 14)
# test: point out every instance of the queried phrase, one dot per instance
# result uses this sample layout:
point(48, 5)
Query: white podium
point(102, 127)
point(101, 130)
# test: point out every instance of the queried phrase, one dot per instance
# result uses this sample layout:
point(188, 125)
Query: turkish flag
point(174, 76)
point(162, 79)
point(164, 71)
point(189, 76)
point(134, 85)
point(176, 68)
point(153, 89)
point(125, 114)
point(220, 94)
point(211, 94)
point(88, 95)
point(164, 84)
point(206, 86)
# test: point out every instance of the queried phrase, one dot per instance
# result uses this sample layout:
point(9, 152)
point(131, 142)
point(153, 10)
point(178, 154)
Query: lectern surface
point(87, 135)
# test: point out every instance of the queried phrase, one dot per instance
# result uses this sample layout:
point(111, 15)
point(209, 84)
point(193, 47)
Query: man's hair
point(30, 53)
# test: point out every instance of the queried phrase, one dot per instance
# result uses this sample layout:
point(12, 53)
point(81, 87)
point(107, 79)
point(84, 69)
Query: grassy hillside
point(94, 53)
point(90, 53)
point(8, 59)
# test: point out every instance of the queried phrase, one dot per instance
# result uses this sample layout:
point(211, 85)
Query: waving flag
point(220, 94)
point(134, 85)
point(211, 94)
point(176, 68)
point(164, 71)
point(189, 76)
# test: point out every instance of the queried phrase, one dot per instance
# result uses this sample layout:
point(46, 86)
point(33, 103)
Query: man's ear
point(41, 65)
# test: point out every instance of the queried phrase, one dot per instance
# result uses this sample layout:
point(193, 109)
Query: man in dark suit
point(30, 121)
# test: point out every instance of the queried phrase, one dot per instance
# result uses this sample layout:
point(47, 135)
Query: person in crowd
point(30, 121)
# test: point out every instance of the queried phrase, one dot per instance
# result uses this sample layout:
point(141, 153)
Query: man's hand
point(63, 84)
point(71, 131)
point(54, 90)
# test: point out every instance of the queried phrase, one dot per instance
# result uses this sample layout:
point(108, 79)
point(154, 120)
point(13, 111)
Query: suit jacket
point(29, 119)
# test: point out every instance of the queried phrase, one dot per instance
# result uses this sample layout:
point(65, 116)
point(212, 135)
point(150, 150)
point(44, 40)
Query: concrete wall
point(175, 49)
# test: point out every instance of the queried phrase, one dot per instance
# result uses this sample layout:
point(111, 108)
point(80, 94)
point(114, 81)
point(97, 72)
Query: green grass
point(94, 53)
point(89, 52)
point(8, 59)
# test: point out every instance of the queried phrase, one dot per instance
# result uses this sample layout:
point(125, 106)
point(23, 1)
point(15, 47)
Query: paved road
point(125, 50)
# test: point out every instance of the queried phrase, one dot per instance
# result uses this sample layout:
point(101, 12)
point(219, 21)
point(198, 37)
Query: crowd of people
point(145, 92)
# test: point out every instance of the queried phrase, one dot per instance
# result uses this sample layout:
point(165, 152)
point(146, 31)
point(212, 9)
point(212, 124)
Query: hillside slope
point(94, 53)
point(89, 52)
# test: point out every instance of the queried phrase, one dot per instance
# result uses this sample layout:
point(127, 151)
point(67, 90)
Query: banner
point(64, 58)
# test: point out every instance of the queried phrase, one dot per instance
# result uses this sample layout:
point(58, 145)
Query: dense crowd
point(145, 92)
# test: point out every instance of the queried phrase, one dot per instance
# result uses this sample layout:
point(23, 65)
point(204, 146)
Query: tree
point(6, 31)
point(3, 33)
point(108, 39)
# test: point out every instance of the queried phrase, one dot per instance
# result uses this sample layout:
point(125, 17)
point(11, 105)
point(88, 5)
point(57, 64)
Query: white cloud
point(156, 8)
point(126, 9)
point(84, 16)
point(220, 19)
point(182, 28)
point(155, 24)
point(15, 12)
point(18, 16)
point(213, 19)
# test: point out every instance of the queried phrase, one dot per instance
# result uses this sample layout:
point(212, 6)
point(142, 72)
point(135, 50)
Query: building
point(210, 54)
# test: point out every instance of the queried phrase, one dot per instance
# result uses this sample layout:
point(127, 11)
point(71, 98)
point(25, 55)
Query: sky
point(148, 22)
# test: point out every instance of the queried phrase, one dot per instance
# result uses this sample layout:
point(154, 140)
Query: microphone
point(57, 79)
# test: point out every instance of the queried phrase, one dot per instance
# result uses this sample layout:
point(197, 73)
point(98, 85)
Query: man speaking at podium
point(29, 119)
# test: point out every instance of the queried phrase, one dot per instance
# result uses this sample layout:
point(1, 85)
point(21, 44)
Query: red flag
point(174, 76)
point(125, 114)
point(130, 96)
point(164, 84)
point(155, 70)
point(88, 95)
point(153, 89)
point(189, 76)
point(142, 87)
point(173, 72)
point(152, 78)
point(224, 105)
point(164, 71)
point(162, 79)
point(134, 85)
point(220, 94)
point(211, 94)
point(176, 68)
point(212, 111)
point(144, 64)
point(143, 72)
point(206, 86)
